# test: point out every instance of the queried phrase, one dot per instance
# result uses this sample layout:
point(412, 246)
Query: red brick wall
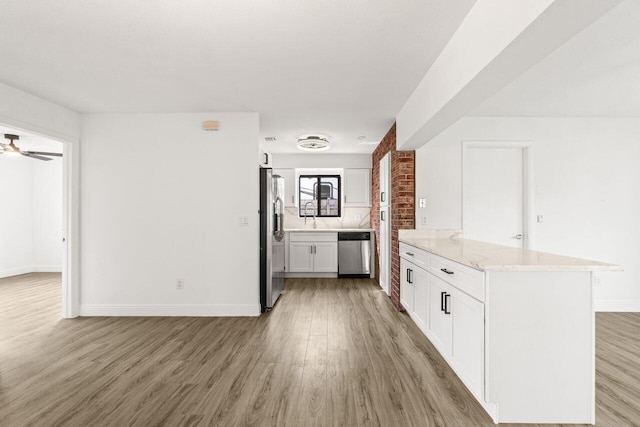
point(402, 202)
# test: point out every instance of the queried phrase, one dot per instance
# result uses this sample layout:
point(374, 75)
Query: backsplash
point(351, 218)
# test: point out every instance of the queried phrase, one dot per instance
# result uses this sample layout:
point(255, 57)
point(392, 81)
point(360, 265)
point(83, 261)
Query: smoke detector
point(313, 143)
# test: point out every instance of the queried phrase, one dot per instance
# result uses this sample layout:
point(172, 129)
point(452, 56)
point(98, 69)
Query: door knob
point(518, 236)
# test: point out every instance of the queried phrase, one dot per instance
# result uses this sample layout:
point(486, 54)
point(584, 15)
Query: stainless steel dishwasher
point(354, 254)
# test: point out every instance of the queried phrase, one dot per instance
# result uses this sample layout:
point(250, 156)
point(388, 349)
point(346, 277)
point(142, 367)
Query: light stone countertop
point(326, 230)
point(490, 257)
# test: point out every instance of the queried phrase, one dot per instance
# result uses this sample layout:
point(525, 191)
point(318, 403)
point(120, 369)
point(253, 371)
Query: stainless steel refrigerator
point(271, 238)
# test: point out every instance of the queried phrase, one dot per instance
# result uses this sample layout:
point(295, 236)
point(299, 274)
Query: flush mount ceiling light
point(313, 143)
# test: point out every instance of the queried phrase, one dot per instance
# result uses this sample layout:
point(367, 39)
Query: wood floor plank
point(333, 352)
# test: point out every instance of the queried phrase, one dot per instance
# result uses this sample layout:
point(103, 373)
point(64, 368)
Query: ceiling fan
point(10, 149)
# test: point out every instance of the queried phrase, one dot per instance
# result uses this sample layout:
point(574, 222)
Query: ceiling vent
point(313, 143)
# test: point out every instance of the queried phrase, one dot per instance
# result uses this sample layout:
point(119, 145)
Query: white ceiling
point(597, 74)
point(342, 68)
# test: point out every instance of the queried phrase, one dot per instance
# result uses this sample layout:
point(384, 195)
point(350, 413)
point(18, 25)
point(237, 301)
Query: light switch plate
point(422, 203)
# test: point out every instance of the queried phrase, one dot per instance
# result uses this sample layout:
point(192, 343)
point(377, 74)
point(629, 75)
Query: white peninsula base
point(517, 326)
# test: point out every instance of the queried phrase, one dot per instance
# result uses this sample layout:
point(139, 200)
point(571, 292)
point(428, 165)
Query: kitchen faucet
point(305, 214)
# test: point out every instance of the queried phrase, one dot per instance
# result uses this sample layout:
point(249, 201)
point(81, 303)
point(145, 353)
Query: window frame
point(318, 205)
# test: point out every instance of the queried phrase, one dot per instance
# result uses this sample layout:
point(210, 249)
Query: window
point(319, 195)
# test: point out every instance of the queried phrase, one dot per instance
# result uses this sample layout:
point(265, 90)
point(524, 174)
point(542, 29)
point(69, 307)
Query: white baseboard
point(109, 310)
point(47, 268)
point(310, 275)
point(16, 271)
point(618, 305)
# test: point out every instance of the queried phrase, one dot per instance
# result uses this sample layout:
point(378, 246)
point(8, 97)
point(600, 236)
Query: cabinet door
point(264, 159)
point(406, 288)
point(289, 176)
point(385, 250)
point(385, 172)
point(357, 187)
point(440, 322)
point(468, 339)
point(300, 257)
point(325, 257)
point(420, 297)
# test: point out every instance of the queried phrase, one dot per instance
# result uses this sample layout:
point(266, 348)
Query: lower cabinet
point(440, 320)
point(316, 257)
point(468, 340)
point(414, 293)
point(450, 318)
point(325, 257)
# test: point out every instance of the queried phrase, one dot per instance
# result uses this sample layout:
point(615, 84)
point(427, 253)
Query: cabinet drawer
point(415, 255)
point(465, 278)
point(313, 237)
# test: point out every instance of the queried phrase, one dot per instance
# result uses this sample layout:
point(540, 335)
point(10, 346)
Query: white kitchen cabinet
point(300, 257)
point(414, 293)
point(385, 250)
point(520, 340)
point(456, 328)
point(384, 193)
point(406, 287)
point(357, 187)
point(289, 176)
point(264, 159)
point(420, 298)
point(313, 252)
point(325, 257)
point(440, 320)
point(467, 348)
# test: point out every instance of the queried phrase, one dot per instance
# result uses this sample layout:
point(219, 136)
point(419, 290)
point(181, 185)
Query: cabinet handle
point(446, 271)
point(409, 253)
point(293, 199)
point(382, 196)
point(410, 275)
point(446, 305)
point(381, 215)
point(442, 294)
point(266, 158)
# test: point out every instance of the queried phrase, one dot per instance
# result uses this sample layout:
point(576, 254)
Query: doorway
point(38, 220)
point(495, 195)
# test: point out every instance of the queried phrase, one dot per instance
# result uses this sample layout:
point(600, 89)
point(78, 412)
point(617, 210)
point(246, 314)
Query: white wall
point(16, 215)
point(47, 215)
point(319, 160)
point(160, 201)
point(24, 111)
point(30, 215)
point(586, 176)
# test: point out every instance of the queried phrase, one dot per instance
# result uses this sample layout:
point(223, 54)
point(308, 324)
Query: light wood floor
point(332, 353)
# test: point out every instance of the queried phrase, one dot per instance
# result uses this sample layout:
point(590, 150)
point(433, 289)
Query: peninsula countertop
point(326, 230)
point(491, 257)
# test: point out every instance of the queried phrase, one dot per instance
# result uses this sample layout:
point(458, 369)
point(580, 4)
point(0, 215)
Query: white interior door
point(493, 195)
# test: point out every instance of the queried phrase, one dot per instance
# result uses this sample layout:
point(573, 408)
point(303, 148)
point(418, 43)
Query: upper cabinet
point(385, 186)
point(357, 187)
point(264, 159)
point(289, 176)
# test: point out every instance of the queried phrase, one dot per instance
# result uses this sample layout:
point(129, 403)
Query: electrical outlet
point(540, 218)
point(598, 281)
point(244, 221)
point(423, 220)
point(179, 284)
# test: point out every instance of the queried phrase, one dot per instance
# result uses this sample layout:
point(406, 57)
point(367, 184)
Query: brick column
point(402, 203)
